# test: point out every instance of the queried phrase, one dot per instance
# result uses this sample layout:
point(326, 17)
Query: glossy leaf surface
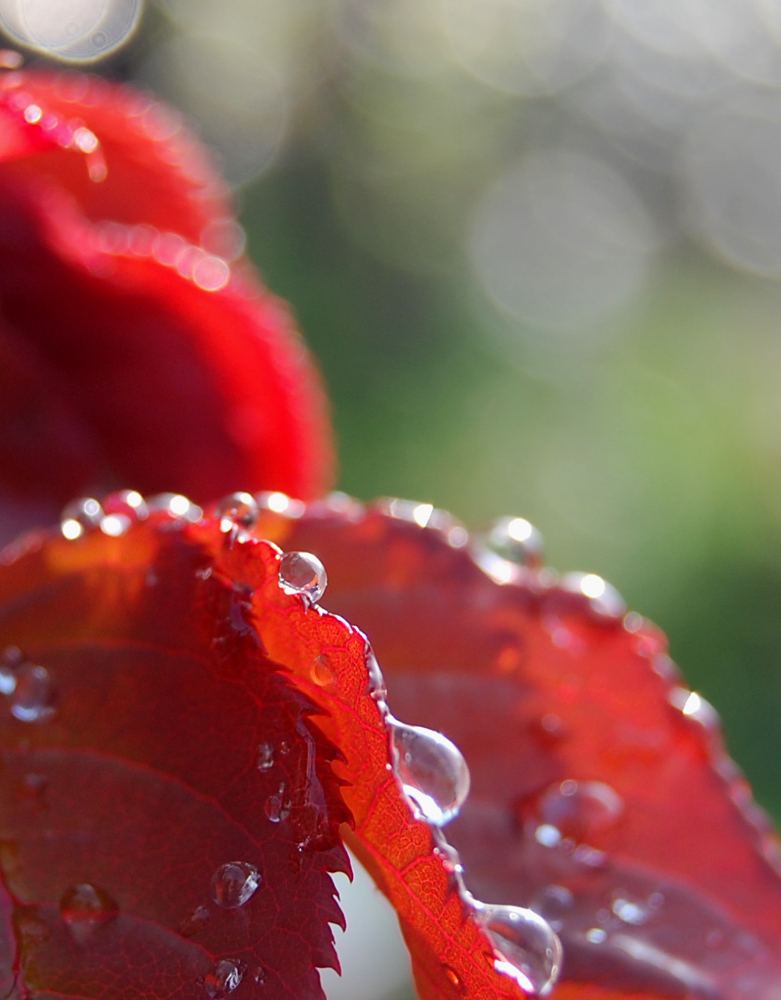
point(135, 354)
point(169, 810)
point(601, 793)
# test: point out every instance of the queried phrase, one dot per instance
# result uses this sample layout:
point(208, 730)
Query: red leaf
point(601, 793)
point(156, 172)
point(150, 742)
point(136, 356)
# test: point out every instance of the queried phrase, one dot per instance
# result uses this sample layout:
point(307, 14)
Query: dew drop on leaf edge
point(525, 945)
point(302, 573)
point(432, 771)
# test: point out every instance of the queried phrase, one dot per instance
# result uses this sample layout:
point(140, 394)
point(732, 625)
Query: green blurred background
point(535, 247)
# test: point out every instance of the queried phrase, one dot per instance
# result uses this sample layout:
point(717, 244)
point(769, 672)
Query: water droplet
point(516, 540)
point(260, 976)
point(234, 883)
point(280, 503)
point(278, 806)
point(175, 505)
point(12, 657)
point(10, 660)
point(553, 903)
point(630, 912)
point(115, 525)
point(304, 574)
point(432, 771)
point(79, 517)
point(265, 756)
point(525, 944)
point(237, 508)
point(225, 977)
point(33, 698)
point(547, 835)
point(453, 978)
point(195, 922)
point(604, 599)
point(581, 810)
point(451, 860)
point(596, 935)
point(376, 683)
point(695, 707)
point(85, 907)
point(128, 503)
point(323, 672)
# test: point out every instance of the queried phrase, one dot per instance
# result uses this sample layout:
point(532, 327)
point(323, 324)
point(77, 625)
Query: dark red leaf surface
point(133, 351)
point(150, 741)
point(601, 792)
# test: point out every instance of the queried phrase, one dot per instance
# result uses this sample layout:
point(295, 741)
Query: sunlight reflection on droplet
point(374, 958)
point(520, 529)
point(72, 30)
point(592, 585)
point(422, 514)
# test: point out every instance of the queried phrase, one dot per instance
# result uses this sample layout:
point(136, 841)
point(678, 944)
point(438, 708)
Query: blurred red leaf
point(139, 355)
point(156, 173)
point(149, 742)
point(601, 792)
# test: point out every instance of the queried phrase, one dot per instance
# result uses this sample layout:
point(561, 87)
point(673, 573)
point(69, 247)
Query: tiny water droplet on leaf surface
point(33, 698)
point(234, 883)
point(84, 907)
point(224, 979)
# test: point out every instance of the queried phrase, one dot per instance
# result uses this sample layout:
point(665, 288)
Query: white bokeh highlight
point(562, 242)
point(71, 30)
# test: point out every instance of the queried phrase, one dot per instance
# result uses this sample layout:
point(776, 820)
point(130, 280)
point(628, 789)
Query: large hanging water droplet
point(84, 907)
point(583, 811)
point(516, 540)
point(234, 883)
point(433, 773)
point(225, 977)
point(33, 699)
point(80, 516)
point(526, 947)
point(237, 509)
point(304, 574)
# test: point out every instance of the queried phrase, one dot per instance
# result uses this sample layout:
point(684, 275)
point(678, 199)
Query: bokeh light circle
point(562, 241)
point(72, 30)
